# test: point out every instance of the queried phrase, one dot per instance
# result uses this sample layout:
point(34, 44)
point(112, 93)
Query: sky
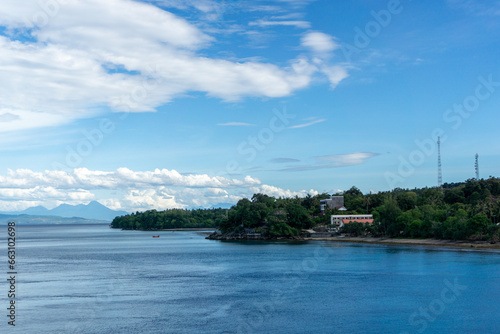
point(192, 103)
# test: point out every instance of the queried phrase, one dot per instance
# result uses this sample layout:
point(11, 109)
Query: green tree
point(297, 216)
point(282, 229)
point(478, 224)
point(354, 228)
point(407, 200)
point(388, 214)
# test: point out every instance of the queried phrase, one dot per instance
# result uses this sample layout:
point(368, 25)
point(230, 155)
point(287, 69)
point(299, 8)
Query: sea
point(94, 279)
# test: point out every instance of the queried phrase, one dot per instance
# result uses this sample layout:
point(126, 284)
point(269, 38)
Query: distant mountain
point(37, 211)
point(94, 210)
point(46, 220)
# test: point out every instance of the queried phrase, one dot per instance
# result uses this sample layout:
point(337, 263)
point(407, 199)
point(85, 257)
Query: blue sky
point(170, 103)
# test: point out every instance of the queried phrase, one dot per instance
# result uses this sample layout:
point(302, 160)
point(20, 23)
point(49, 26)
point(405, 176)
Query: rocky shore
point(246, 236)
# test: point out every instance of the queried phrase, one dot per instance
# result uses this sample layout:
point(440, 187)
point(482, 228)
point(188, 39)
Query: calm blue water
point(92, 279)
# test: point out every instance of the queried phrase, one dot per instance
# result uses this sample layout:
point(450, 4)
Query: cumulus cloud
point(167, 198)
point(132, 190)
point(44, 193)
point(279, 192)
point(323, 46)
point(335, 74)
point(79, 58)
point(9, 205)
point(120, 179)
point(319, 42)
point(150, 198)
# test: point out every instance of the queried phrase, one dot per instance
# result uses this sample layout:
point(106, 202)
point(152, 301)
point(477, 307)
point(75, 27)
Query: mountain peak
point(36, 210)
point(96, 204)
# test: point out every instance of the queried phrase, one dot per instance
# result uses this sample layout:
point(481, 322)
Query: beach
point(423, 242)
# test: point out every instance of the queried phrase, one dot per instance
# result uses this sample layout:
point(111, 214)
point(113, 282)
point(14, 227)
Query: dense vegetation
point(174, 218)
point(458, 211)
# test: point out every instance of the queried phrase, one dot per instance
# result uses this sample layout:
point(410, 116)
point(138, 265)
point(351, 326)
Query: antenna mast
point(477, 166)
point(440, 176)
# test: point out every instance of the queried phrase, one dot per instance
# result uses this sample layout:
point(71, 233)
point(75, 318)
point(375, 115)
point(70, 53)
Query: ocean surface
point(93, 279)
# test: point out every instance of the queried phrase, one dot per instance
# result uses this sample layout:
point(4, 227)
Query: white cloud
point(279, 192)
point(335, 74)
point(334, 161)
point(337, 192)
point(86, 57)
point(209, 7)
point(264, 8)
point(20, 205)
point(132, 191)
point(319, 42)
point(168, 198)
point(122, 178)
point(44, 193)
point(8, 117)
point(140, 200)
point(307, 124)
point(266, 23)
point(349, 159)
point(288, 16)
point(323, 45)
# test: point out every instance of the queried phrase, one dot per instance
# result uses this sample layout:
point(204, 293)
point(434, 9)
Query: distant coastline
point(49, 220)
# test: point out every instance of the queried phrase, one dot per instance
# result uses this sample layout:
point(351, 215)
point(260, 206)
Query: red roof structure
point(364, 221)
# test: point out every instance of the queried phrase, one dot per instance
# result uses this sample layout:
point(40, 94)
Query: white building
point(340, 220)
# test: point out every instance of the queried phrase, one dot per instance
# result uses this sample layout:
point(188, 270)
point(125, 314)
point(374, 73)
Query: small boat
point(156, 236)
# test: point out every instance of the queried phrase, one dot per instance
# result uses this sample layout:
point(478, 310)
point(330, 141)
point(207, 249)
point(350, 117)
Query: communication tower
point(440, 175)
point(476, 165)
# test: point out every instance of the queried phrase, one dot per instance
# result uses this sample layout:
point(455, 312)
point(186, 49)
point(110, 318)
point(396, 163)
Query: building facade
point(340, 220)
point(333, 203)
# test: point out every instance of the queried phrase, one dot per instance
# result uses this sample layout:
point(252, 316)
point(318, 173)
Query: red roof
point(347, 221)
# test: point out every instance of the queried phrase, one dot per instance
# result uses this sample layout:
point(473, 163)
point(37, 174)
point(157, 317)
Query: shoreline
point(179, 229)
point(465, 244)
point(195, 229)
point(419, 242)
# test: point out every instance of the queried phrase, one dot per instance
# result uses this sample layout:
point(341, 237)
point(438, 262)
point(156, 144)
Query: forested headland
point(152, 220)
point(467, 210)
